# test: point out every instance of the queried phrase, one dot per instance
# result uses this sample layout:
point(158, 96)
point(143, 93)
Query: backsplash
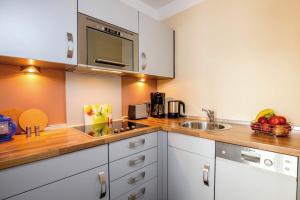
point(84, 89)
point(61, 95)
point(45, 91)
point(135, 92)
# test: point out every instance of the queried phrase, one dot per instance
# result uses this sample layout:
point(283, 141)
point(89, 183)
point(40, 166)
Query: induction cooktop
point(115, 127)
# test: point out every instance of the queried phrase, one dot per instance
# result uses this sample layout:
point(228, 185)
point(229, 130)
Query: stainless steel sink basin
point(205, 125)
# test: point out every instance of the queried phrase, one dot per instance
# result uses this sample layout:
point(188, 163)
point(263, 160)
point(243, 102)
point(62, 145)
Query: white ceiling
point(161, 9)
point(156, 4)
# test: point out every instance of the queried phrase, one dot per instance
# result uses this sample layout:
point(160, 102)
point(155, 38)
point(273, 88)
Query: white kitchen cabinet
point(85, 186)
point(132, 146)
point(27, 177)
point(42, 30)
point(132, 163)
point(156, 47)
point(190, 174)
point(162, 162)
point(147, 191)
point(112, 11)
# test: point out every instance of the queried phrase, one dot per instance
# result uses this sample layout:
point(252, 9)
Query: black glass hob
point(115, 127)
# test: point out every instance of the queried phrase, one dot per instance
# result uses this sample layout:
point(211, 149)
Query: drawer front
point(29, 176)
point(147, 191)
point(83, 186)
point(132, 163)
point(192, 144)
point(131, 146)
point(133, 180)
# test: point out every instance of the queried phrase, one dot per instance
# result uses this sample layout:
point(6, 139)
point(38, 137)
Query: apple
point(262, 120)
point(282, 120)
point(274, 120)
point(266, 127)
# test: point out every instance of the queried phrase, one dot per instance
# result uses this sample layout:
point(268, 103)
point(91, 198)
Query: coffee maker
point(158, 105)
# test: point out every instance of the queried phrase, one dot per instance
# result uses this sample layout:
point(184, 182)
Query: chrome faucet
point(210, 115)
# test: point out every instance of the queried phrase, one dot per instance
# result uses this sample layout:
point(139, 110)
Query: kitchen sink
point(201, 125)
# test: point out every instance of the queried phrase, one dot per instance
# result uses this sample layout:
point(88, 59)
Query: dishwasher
point(244, 173)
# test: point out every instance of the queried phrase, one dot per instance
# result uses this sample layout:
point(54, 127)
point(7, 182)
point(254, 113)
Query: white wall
point(238, 57)
point(84, 89)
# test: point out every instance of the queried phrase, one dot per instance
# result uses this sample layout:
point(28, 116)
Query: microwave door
point(109, 51)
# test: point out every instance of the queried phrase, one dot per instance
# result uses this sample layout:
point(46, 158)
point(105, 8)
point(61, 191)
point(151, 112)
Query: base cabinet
point(190, 170)
point(87, 185)
point(147, 191)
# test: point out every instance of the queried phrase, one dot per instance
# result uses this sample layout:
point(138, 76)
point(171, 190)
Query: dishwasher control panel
point(275, 162)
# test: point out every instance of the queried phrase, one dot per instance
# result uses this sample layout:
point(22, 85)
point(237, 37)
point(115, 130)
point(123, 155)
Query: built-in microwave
point(103, 45)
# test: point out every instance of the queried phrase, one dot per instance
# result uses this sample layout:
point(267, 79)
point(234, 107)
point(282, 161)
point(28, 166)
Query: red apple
point(262, 120)
point(274, 120)
point(282, 120)
point(266, 127)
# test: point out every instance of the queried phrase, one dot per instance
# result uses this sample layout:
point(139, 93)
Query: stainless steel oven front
point(102, 45)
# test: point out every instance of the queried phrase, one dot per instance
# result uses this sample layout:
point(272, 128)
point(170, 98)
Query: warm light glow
point(142, 80)
point(31, 69)
point(31, 62)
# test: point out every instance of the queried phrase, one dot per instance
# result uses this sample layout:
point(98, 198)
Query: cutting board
point(33, 117)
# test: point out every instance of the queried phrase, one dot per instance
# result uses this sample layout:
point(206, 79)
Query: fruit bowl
point(276, 130)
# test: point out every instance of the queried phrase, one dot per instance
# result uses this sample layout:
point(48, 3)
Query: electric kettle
point(7, 128)
point(174, 110)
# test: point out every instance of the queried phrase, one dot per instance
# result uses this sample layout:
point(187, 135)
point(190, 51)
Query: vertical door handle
point(206, 169)
point(144, 60)
point(70, 45)
point(137, 143)
point(103, 185)
point(139, 194)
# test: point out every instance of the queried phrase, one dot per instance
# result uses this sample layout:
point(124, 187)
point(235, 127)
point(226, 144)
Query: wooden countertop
point(238, 134)
point(49, 144)
point(22, 150)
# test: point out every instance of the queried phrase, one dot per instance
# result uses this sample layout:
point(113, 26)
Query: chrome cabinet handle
point(103, 185)
point(137, 143)
point(134, 180)
point(206, 168)
point(139, 194)
point(70, 45)
point(140, 159)
point(144, 60)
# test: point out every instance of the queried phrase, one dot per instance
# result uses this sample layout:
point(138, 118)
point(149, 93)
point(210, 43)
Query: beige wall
point(238, 57)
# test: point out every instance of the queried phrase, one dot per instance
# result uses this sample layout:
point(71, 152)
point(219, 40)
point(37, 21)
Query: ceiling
point(161, 9)
point(156, 4)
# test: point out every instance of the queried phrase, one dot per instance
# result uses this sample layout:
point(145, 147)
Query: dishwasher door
point(250, 174)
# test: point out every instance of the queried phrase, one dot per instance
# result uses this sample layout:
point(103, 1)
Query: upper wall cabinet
point(156, 48)
point(111, 11)
point(42, 30)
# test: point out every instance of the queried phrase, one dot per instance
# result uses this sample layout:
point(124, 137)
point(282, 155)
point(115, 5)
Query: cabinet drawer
point(29, 176)
point(147, 191)
point(83, 186)
point(133, 180)
point(192, 144)
point(129, 164)
point(131, 146)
